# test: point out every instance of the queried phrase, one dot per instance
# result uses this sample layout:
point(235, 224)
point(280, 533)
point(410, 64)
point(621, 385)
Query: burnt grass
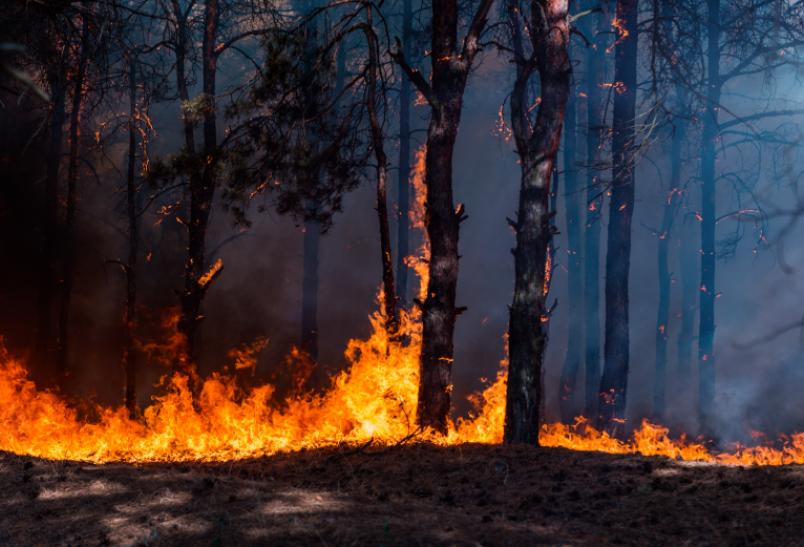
point(408, 495)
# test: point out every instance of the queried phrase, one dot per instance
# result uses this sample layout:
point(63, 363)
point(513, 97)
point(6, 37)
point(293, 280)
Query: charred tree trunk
point(182, 41)
point(438, 310)
point(72, 201)
point(44, 342)
point(196, 278)
point(450, 70)
point(572, 206)
point(671, 206)
point(527, 327)
point(130, 355)
point(688, 259)
point(309, 319)
point(377, 143)
point(403, 180)
point(706, 334)
point(614, 383)
point(595, 72)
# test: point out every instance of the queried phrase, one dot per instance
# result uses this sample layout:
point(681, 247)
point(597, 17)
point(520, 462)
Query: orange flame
point(374, 400)
point(622, 33)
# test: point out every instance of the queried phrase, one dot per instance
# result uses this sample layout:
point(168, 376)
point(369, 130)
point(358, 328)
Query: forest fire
point(256, 255)
point(372, 402)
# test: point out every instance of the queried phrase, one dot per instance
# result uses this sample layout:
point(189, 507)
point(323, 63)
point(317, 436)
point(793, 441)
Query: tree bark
point(44, 342)
point(665, 236)
point(537, 149)
point(72, 201)
point(595, 63)
point(688, 259)
point(130, 354)
point(449, 73)
point(403, 180)
point(706, 334)
point(573, 211)
point(377, 142)
point(614, 383)
point(202, 191)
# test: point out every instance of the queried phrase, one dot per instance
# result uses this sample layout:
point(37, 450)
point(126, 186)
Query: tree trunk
point(706, 335)
point(572, 206)
point(377, 142)
point(671, 206)
point(450, 70)
point(529, 316)
point(201, 194)
point(130, 356)
point(688, 258)
point(595, 63)
point(72, 201)
point(403, 180)
point(614, 383)
point(438, 310)
point(44, 342)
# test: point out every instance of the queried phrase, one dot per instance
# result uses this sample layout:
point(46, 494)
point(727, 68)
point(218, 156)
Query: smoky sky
point(259, 292)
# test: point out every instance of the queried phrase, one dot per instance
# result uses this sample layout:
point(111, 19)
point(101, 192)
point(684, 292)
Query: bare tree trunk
point(572, 206)
point(537, 149)
point(72, 200)
point(595, 72)
point(403, 180)
point(201, 195)
point(377, 140)
point(614, 383)
point(671, 206)
point(688, 258)
point(706, 335)
point(450, 70)
point(44, 342)
point(130, 355)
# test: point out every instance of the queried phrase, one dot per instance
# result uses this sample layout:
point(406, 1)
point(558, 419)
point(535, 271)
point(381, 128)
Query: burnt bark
point(595, 73)
point(706, 325)
point(202, 190)
point(665, 236)
point(537, 149)
point(403, 175)
point(44, 337)
point(673, 201)
point(688, 259)
point(377, 143)
point(450, 69)
point(130, 354)
point(67, 271)
point(573, 211)
point(614, 383)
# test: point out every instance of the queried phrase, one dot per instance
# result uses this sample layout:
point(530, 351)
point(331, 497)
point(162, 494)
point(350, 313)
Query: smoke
point(259, 292)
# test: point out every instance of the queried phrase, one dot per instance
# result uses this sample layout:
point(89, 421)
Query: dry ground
point(411, 495)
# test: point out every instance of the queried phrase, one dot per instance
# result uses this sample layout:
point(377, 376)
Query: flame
point(622, 33)
point(373, 400)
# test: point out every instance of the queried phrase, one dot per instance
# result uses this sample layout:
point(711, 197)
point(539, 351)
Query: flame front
point(373, 400)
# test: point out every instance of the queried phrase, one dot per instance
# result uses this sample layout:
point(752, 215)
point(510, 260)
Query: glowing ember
point(374, 400)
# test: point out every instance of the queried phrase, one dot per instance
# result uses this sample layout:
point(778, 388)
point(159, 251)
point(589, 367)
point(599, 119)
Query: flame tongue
point(373, 400)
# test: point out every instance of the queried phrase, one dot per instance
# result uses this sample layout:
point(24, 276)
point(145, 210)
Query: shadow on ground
point(411, 495)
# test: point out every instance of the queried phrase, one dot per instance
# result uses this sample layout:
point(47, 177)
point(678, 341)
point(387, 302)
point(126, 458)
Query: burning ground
point(405, 495)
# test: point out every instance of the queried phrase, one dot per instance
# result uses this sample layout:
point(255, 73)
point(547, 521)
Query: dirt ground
point(410, 495)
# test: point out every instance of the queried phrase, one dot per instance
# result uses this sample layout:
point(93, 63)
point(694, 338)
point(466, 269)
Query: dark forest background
point(760, 365)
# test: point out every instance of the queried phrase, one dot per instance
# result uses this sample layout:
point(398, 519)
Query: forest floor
point(408, 495)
